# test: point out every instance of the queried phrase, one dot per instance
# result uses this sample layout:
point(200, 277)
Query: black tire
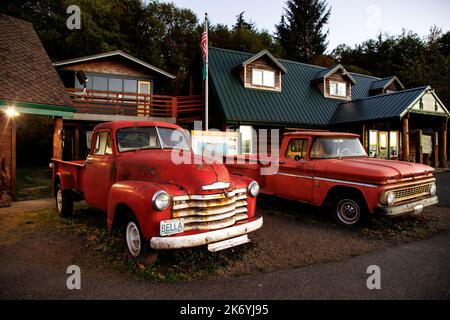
point(137, 247)
point(63, 201)
point(349, 210)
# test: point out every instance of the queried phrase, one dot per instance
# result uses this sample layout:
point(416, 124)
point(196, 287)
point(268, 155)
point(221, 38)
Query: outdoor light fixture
point(11, 112)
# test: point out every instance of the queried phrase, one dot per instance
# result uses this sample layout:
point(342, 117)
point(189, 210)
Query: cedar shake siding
point(263, 63)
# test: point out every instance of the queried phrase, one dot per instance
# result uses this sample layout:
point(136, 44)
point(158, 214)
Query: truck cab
point(134, 173)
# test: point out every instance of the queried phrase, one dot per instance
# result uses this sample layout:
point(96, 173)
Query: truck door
point(293, 180)
point(97, 174)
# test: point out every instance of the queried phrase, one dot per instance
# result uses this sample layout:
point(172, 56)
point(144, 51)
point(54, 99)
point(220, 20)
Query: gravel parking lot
point(293, 236)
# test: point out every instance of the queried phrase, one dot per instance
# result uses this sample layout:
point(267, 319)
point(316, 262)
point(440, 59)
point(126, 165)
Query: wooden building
point(28, 84)
point(119, 87)
point(259, 91)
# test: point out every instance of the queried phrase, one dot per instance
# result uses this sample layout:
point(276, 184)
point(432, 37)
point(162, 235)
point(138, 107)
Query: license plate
point(169, 227)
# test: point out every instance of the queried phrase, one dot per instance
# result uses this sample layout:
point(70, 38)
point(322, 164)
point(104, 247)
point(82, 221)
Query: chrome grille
point(209, 212)
point(412, 192)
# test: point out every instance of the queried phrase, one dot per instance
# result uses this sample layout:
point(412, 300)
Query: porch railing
point(182, 108)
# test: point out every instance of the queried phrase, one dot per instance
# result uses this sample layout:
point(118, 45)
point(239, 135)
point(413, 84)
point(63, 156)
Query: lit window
point(263, 78)
point(338, 89)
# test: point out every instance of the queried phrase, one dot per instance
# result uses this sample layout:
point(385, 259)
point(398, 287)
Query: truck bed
point(74, 168)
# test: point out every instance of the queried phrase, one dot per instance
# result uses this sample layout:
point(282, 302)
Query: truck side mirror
point(298, 157)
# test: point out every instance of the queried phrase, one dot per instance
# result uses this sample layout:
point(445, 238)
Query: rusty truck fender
point(66, 179)
point(136, 197)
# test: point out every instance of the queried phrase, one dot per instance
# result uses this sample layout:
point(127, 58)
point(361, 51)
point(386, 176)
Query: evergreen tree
point(301, 30)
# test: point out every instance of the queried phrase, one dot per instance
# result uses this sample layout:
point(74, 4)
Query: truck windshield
point(138, 138)
point(336, 147)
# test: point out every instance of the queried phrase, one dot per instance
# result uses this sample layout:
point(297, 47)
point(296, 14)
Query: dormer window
point(338, 89)
point(334, 83)
point(263, 78)
point(262, 72)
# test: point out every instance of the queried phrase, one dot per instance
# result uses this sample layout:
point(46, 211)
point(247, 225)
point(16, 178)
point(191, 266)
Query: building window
point(338, 89)
point(263, 78)
point(393, 145)
point(373, 143)
point(246, 139)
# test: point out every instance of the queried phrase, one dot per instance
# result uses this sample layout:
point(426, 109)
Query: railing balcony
point(182, 108)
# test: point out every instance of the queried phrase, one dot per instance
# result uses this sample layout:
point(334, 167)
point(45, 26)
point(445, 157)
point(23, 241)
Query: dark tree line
point(168, 37)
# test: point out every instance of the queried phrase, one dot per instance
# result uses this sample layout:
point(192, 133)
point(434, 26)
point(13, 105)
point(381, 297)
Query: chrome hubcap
point(133, 239)
point(59, 200)
point(348, 211)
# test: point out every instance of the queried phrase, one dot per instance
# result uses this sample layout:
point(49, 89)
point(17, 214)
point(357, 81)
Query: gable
point(429, 103)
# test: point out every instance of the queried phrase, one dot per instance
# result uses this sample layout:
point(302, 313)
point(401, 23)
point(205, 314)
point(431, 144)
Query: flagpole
point(207, 77)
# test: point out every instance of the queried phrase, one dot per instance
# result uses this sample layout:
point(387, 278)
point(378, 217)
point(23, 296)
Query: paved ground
point(35, 267)
point(418, 270)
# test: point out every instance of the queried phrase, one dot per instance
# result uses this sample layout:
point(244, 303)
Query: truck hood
point(374, 171)
point(157, 166)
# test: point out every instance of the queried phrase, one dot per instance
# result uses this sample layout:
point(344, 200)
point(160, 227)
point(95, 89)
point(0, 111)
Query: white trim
point(330, 180)
point(408, 109)
point(111, 54)
point(216, 186)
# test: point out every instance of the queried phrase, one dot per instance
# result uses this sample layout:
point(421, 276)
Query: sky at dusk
point(351, 21)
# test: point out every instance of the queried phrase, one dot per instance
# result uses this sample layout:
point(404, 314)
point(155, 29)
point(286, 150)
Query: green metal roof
point(387, 106)
point(299, 103)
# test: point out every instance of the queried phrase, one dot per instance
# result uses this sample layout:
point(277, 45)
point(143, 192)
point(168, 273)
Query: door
point(292, 180)
point(383, 145)
point(144, 88)
point(97, 172)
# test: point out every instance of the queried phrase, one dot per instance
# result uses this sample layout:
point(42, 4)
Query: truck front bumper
point(416, 207)
point(194, 240)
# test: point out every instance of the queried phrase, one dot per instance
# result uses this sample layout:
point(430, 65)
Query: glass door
point(144, 100)
point(383, 145)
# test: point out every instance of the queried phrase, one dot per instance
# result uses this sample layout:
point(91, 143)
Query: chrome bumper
point(416, 207)
point(194, 240)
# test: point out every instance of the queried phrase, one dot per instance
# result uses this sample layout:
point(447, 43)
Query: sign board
point(226, 143)
point(426, 143)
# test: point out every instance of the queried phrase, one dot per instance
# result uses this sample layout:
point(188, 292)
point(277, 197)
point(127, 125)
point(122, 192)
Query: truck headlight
point(253, 189)
point(390, 198)
point(433, 189)
point(161, 200)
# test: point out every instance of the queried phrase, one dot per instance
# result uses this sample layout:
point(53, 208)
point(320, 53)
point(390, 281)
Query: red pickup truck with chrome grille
point(134, 174)
point(329, 168)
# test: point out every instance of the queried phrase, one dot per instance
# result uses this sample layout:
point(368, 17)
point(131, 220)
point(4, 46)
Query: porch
point(110, 105)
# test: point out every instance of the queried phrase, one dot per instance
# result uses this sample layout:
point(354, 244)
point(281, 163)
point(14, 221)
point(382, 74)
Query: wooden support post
point(435, 149)
point(363, 135)
point(76, 144)
point(13, 158)
point(174, 107)
point(58, 138)
point(443, 145)
point(420, 148)
point(405, 139)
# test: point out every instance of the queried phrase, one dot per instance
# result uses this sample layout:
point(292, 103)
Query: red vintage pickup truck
point(130, 173)
point(328, 168)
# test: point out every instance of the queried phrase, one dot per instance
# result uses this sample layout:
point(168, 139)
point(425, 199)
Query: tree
point(301, 29)
point(242, 24)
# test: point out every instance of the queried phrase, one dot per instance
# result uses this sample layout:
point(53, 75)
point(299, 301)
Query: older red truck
point(328, 168)
point(130, 173)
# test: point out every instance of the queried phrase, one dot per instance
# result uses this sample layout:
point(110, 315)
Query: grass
point(170, 266)
point(33, 182)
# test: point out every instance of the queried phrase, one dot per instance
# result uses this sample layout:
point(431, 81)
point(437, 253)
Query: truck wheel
point(137, 247)
point(348, 210)
point(63, 201)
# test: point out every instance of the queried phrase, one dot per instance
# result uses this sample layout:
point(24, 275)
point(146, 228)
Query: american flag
point(203, 44)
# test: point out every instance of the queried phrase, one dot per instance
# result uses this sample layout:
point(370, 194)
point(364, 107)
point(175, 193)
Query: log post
point(58, 138)
point(76, 144)
point(436, 150)
point(13, 158)
point(405, 139)
point(420, 148)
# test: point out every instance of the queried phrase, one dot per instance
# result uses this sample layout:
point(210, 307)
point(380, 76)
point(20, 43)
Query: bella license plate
point(168, 227)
